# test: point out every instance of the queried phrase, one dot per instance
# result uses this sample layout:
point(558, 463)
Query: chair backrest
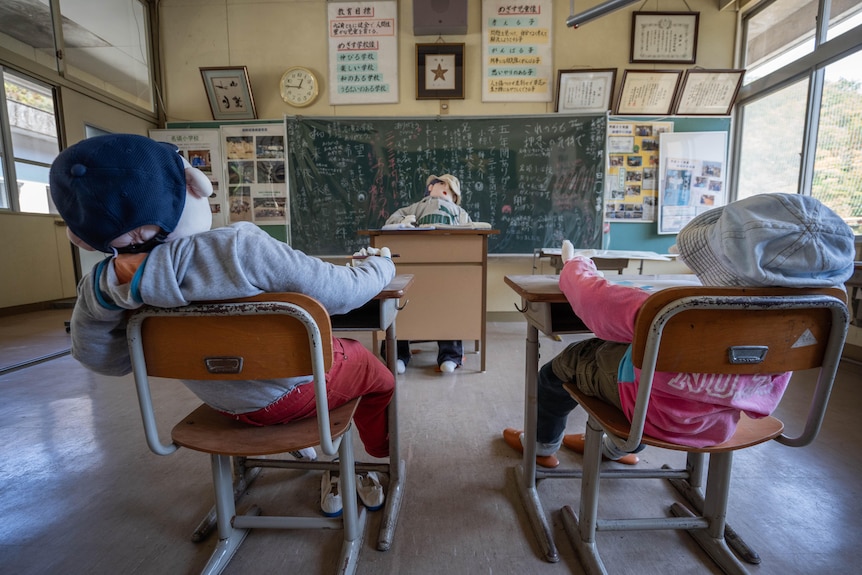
point(261, 340)
point(273, 335)
point(740, 331)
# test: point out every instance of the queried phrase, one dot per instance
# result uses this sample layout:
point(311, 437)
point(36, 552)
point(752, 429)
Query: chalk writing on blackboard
point(537, 179)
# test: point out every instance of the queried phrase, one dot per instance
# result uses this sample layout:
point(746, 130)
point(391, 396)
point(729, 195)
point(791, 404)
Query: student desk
point(546, 309)
point(449, 298)
point(379, 315)
point(604, 259)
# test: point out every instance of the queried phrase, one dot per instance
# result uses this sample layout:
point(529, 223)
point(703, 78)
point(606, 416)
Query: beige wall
point(268, 37)
point(36, 259)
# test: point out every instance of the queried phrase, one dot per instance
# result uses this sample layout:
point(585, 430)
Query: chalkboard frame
point(539, 179)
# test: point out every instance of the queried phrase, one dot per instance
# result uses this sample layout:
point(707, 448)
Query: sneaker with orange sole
point(576, 443)
point(512, 437)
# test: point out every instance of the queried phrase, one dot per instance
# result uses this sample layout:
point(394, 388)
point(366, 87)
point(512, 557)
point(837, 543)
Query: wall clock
point(299, 86)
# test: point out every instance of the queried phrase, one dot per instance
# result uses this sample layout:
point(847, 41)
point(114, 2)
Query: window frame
point(811, 66)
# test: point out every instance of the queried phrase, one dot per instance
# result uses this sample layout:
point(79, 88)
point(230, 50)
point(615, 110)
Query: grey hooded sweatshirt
point(239, 260)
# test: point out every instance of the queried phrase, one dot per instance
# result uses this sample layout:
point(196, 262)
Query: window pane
point(777, 35)
point(33, 193)
point(838, 159)
point(107, 46)
point(846, 14)
point(25, 29)
point(30, 107)
point(772, 131)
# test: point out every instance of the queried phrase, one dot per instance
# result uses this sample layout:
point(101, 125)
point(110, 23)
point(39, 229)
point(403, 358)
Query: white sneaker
point(330, 494)
point(305, 454)
point(370, 491)
point(400, 367)
point(448, 366)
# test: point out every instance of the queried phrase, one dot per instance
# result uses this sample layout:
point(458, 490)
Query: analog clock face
point(299, 86)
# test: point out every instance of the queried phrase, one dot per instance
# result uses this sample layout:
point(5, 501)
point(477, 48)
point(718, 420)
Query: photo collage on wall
point(631, 192)
point(257, 189)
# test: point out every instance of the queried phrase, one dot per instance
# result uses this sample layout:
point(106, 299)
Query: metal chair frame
point(230, 439)
point(666, 340)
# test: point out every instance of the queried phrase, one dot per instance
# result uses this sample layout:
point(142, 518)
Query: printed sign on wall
point(516, 51)
point(363, 52)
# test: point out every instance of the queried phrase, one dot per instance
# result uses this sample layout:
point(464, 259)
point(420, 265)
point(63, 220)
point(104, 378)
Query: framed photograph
point(229, 93)
point(669, 37)
point(708, 92)
point(439, 71)
point(650, 92)
point(585, 91)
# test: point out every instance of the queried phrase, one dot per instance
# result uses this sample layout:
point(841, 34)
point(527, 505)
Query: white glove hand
point(369, 251)
point(568, 252)
point(409, 220)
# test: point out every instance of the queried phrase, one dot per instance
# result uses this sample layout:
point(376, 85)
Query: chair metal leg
point(243, 478)
point(690, 490)
point(712, 538)
point(354, 524)
point(229, 538)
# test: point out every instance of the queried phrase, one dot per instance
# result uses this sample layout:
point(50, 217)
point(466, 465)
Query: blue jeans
point(447, 350)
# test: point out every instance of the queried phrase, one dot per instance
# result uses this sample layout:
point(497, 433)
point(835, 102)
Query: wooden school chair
point(264, 337)
point(709, 330)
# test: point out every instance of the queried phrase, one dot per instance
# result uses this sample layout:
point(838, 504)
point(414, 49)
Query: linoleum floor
point(80, 492)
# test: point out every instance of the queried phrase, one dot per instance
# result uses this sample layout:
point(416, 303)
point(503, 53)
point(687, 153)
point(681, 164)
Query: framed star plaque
point(439, 71)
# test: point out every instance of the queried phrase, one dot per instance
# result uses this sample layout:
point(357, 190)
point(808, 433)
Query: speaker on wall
point(438, 17)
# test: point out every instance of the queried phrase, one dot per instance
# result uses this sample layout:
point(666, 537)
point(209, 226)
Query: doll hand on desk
point(568, 252)
point(409, 220)
point(369, 251)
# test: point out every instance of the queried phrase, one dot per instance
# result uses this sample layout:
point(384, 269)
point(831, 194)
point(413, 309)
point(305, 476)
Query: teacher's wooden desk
point(449, 298)
point(546, 309)
point(379, 315)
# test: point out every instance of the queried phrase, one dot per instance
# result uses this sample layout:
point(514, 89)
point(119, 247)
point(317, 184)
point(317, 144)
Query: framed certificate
point(708, 92)
point(649, 92)
point(585, 91)
point(669, 37)
point(439, 71)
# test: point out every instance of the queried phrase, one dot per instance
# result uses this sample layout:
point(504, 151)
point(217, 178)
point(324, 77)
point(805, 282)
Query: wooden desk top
point(546, 288)
point(396, 288)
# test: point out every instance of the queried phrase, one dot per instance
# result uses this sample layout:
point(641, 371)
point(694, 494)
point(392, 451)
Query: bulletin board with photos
point(631, 183)
point(254, 168)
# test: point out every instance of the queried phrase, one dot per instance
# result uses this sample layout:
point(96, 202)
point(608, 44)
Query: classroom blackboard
point(536, 179)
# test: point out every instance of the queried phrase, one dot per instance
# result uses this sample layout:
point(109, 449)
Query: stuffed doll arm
point(99, 333)
point(568, 252)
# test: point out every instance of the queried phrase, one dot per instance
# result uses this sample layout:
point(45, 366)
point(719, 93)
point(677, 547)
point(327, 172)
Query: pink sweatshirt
point(687, 408)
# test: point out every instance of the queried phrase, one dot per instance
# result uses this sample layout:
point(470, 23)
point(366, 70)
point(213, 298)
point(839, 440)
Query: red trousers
point(355, 372)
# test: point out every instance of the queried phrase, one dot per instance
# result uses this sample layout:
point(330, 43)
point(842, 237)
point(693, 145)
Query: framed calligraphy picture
point(585, 91)
point(648, 92)
point(708, 92)
point(229, 93)
point(440, 71)
point(669, 37)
